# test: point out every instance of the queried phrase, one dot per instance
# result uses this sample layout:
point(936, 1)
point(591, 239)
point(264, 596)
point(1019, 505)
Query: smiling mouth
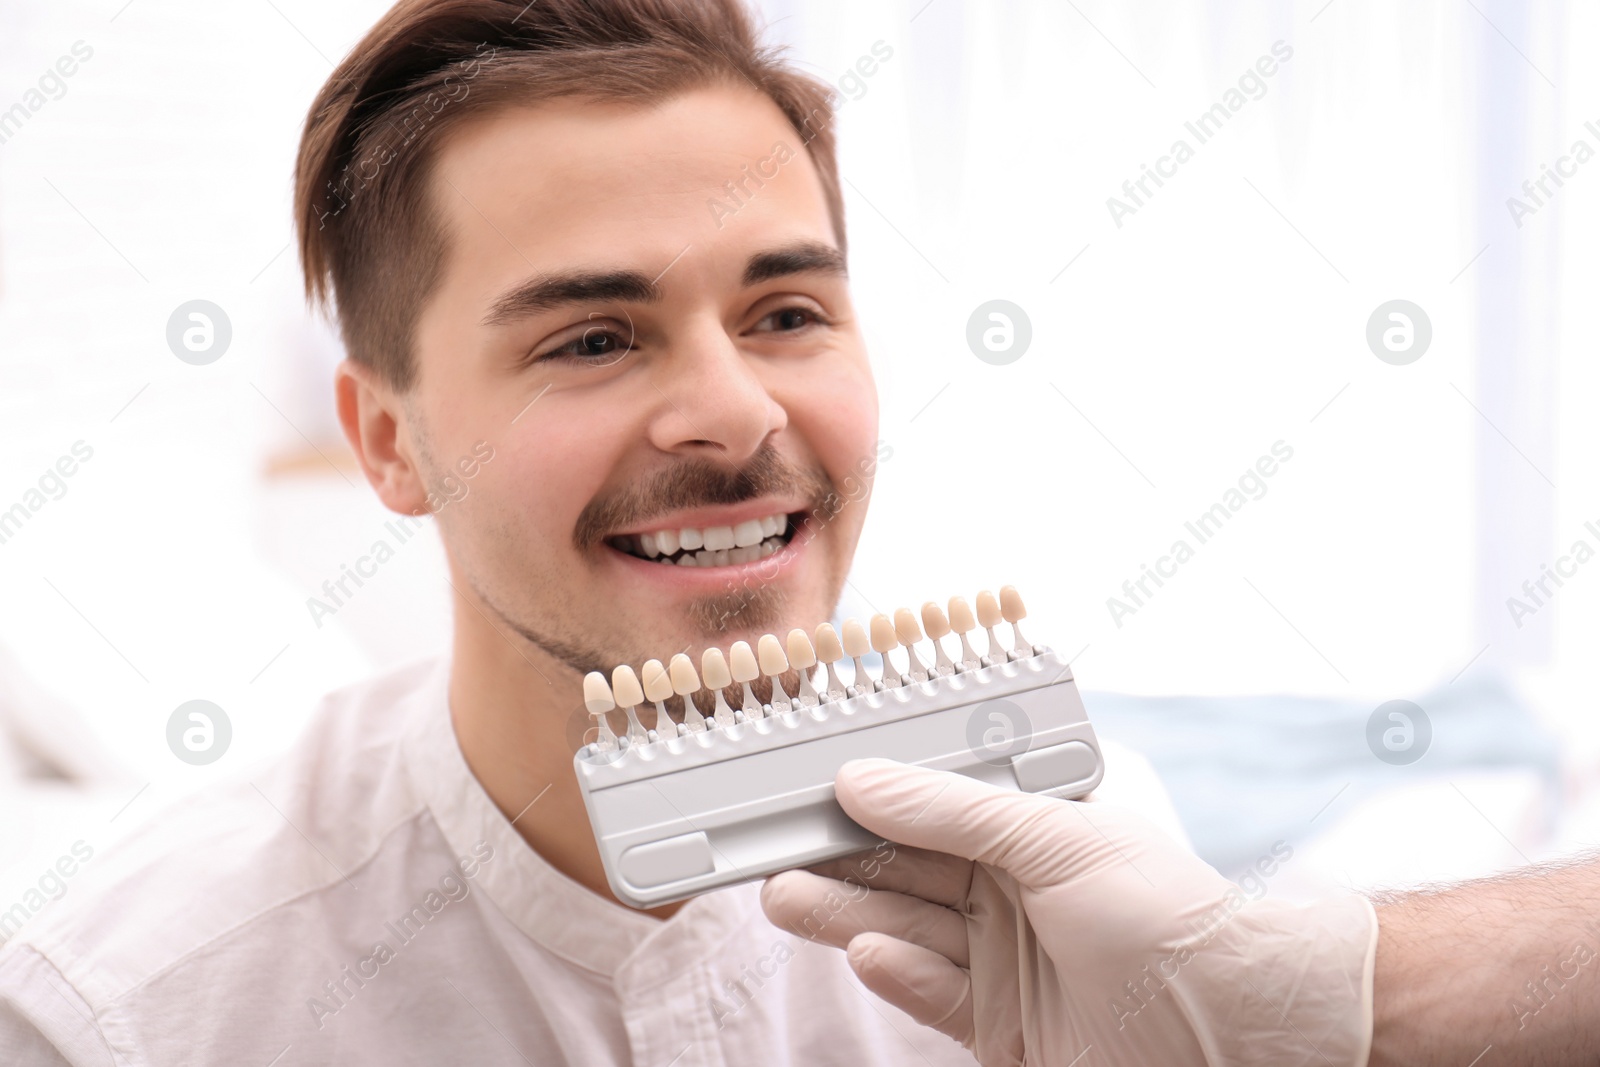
point(712, 546)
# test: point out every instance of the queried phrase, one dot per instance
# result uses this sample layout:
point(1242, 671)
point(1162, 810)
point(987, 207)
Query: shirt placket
point(671, 1024)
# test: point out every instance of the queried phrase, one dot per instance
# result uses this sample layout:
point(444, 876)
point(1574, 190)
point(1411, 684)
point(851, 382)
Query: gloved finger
point(821, 909)
point(923, 984)
point(1037, 840)
point(1003, 945)
point(934, 876)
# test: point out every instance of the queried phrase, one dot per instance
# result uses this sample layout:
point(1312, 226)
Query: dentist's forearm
point(1507, 969)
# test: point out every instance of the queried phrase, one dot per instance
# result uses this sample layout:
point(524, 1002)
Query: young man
point(602, 244)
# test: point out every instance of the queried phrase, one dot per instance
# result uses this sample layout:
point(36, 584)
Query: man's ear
point(374, 423)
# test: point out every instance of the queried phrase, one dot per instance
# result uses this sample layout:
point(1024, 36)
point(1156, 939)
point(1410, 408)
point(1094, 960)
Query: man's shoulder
point(230, 859)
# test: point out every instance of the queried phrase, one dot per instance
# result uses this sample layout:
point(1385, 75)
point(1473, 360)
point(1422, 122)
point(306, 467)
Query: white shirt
point(363, 901)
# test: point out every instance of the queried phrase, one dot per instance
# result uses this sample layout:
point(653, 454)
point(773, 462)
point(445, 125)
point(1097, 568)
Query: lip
point(696, 578)
point(726, 515)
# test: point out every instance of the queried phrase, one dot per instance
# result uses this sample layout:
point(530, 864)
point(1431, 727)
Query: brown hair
point(369, 242)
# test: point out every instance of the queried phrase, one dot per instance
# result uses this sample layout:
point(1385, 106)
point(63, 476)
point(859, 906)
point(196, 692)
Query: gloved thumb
point(1033, 838)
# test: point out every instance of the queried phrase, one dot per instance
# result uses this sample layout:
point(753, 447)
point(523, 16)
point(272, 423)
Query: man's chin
point(719, 620)
point(758, 610)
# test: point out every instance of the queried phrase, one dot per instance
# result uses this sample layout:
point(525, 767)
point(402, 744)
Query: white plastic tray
point(731, 804)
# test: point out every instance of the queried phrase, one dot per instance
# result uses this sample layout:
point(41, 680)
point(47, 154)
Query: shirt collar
point(633, 948)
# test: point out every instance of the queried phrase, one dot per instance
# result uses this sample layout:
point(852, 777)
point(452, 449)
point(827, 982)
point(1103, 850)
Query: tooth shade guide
point(962, 623)
point(605, 740)
point(715, 674)
point(773, 663)
point(685, 682)
point(597, 700)
point(829, 652)
point(990, 616)
point(665, 729)
point(857, 645)
point(862, 681)
point(745, 671)
point(1014, 611)
point(961, 617)
point(637, 734)
point(803, 657)
point(627, 692)
point(742, 660)
point(998, 653)
point(752, 707)
point(658, 690)
point(758, 672)
point(721, 711)
point(909, 633)
point(808, 696)
point(934, 621)
point(884, 641)
point(745, 798)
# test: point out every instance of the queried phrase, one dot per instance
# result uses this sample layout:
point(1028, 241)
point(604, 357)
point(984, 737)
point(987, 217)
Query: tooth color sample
point(961, 619)
point(855, 638)
point(905, 627)
point(988, 609)
point(827, 641)
point(625, 686)
point(714, 669)
point(684, 679)
point(801, 654)
point(773, 661)
point(596, 693)
point(744, 662)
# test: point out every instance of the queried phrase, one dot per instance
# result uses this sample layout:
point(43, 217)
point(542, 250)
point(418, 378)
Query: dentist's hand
point(1031, 929)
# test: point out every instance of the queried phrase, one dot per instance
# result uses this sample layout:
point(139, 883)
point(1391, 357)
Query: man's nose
point(713, 398)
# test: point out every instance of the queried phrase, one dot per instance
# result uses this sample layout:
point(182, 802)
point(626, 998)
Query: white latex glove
point(1080, 926)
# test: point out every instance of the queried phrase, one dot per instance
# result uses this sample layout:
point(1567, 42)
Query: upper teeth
point(747, 534)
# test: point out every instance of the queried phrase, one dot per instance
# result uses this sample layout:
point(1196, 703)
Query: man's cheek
point(543, 480)
point(846, 437)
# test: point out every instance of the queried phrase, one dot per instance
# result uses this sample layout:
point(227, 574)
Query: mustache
point(695, 483)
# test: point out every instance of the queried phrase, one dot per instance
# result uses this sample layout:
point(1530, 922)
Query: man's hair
point(372, 245)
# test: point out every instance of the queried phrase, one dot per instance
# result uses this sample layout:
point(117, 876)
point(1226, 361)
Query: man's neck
point(511, 706)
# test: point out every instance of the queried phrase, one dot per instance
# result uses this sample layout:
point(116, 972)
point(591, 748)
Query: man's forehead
point(630, 159)
point(585, 187)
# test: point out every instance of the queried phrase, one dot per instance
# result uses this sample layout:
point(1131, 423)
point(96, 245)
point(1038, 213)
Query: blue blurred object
point(1246, 771)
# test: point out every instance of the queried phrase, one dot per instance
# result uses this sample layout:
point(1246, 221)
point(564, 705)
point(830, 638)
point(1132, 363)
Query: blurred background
point(1155, 344)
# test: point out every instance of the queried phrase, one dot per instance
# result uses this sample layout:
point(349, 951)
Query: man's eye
point(597, 346)
point(788, 320)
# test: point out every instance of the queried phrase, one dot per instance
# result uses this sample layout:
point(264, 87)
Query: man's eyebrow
point(562, 288)
point(801, 258)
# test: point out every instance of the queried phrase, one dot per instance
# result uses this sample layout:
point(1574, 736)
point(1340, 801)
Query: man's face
point(646, 352)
